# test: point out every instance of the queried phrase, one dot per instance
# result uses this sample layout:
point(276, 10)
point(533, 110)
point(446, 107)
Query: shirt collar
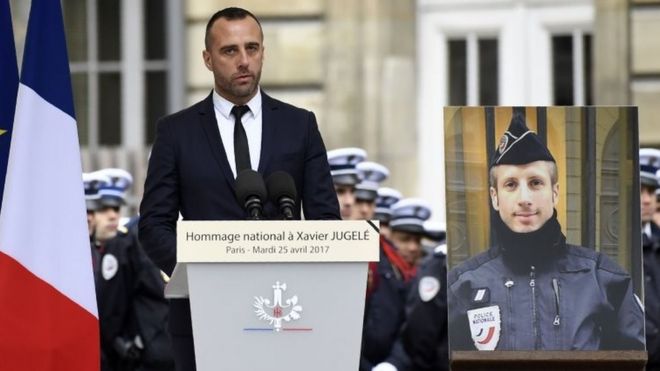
point(647, 229)
point(224, 106)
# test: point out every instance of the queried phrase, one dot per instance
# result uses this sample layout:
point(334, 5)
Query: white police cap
point(384, 201)
point(114, 194)
point(372, 174)
point(649, 167)
point(409, 215)
point(435, 230)
point(92, 183)
point(342, 163)
point(119, 177)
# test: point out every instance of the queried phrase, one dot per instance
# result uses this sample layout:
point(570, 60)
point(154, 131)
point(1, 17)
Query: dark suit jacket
point(189, 173)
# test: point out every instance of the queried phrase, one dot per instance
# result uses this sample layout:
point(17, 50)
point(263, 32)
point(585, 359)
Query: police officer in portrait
point(649, 160)
point(129, 289)
point(532, 290)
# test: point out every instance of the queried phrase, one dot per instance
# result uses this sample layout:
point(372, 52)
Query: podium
point(275, 295)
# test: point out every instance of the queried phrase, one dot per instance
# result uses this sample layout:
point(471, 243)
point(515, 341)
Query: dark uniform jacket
point(568, 298)
point(129, 292)
point(424, 335)
point(384, 311)
point(652, 295)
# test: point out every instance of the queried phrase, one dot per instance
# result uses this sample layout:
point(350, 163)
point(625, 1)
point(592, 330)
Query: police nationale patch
point(109, 266)
point(428, 288)
point(485, 327)
point(504, 141)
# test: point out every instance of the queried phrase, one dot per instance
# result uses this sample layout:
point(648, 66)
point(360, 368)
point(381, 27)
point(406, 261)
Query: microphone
point(251, 193)
point(282, 192)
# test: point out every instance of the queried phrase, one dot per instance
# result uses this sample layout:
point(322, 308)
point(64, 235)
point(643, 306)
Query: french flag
point(48, 314)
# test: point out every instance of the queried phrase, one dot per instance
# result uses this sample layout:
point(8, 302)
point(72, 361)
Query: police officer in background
point(649, 159)
point(434, 237)
point(383, 213)
point(651, 156)
point(129, 289)
point(532, 290)
point(408, 218)
point(366, 192)
point(422, 344)
point(407, 228)
point(345, 176)
point(424, 335)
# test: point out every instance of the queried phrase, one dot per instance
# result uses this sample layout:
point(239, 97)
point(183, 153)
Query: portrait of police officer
point(532, 289)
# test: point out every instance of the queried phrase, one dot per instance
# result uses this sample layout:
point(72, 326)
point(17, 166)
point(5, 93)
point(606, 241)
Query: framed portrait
point(543, 228)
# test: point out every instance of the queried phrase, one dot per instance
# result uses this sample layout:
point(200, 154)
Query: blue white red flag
point(48, 316)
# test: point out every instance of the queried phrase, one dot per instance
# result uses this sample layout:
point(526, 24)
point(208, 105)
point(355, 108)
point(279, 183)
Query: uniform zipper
point(508, 283)
point(555, 288)
point(532, 284)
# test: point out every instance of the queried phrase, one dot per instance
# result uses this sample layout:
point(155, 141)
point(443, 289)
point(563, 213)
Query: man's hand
point(127, 349)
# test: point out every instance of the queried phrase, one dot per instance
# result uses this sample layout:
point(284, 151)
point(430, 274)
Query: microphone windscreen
point(249, 183)
point(281, 184)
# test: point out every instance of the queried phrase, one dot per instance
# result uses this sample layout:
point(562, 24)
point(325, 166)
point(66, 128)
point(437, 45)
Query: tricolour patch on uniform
point(481, 295)
point(109, 266)
point(485, 327)
point(428, 288)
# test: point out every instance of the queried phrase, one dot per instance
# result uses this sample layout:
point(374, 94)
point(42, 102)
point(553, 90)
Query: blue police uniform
point(649, 159)
point(386, 305)
point(424, 335)
point(566, 298)
point(651, 253)
point(384, 311)
point(129, 289)
point(132, 309)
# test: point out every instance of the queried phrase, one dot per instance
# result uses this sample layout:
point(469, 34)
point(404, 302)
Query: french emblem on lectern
point(279, 309)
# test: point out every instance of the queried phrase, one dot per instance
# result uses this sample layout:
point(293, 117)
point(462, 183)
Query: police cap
point(92, 183)
point(114, 193)
point(384, 201)
point(372, 174)
point(519, 145)
point(342, 163)
point(409, 215)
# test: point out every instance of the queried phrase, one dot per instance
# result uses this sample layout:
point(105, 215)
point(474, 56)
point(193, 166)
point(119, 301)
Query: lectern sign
point(276, 241)
point(275, 295)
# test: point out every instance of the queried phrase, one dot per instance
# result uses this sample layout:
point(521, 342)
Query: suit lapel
point(210, 125)
point(269, 112)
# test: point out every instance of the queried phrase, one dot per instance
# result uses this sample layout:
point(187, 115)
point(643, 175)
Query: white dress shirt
point(252, 122)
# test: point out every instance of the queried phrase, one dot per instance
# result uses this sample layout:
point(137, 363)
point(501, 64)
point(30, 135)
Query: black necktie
point(241, 148)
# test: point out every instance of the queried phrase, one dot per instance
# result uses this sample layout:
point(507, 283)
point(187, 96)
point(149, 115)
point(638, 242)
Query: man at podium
point(532, 290)
point(199, 151)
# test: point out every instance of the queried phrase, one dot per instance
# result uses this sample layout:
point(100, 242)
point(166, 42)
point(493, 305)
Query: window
point(119, 69)
point(473, 71)
point(572, 69)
